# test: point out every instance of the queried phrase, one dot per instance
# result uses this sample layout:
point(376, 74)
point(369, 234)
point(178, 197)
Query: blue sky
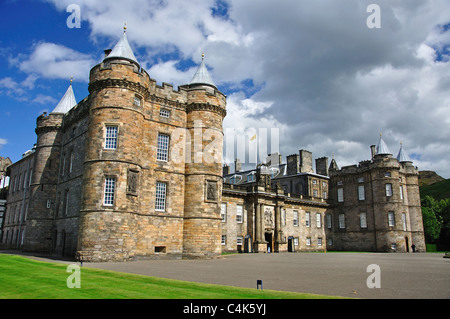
point(312, 70)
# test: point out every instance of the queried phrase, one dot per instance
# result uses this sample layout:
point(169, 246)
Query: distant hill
point(433, 185)
point(429, 177)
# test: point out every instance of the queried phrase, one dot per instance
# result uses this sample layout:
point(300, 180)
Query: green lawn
point(25, 278)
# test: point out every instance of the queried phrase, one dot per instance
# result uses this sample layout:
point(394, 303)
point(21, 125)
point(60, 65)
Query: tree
point(431, 225)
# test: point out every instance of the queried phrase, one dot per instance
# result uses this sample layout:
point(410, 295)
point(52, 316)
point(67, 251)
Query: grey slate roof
point(202, 76)
point(67, 102)
point(382, 148)
point(402, 156)
point(122, 49)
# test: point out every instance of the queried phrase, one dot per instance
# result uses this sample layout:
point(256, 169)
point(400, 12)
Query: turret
point(113, 156)
point(206, 108)
point(44, 180)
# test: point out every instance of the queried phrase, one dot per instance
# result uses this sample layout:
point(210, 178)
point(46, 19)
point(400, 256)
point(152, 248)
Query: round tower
point(206, 109)
point(113, 157)
point(41, 211)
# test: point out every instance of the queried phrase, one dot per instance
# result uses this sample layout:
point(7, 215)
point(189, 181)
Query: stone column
point(278, 224)
point(258, 223)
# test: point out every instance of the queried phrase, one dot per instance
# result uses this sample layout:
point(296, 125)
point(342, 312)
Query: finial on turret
point(125, 27)
point(203, 55)
point(71, 80)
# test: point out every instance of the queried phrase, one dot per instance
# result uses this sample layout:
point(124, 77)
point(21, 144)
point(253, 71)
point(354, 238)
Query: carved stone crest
point(211, 191)
point(132, 182)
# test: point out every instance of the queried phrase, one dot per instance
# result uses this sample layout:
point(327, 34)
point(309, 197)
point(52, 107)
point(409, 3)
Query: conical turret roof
point(202, 75)
point(67, 102)
point(122, 49)
point(402, 156)
point(382, 148)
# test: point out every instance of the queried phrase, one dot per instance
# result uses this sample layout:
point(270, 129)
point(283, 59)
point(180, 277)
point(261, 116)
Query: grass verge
point(25, 278)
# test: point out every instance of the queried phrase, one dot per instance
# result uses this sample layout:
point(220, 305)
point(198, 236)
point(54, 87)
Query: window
point(388, 190)
point(308, 241)
point(339, 183)
point(251, 177)
point(315, 192)
point(224, 239)
point(71, 162)
point(239, 240)
point(361, 195)
point(387, 174)
point(363, 220)
point(329, 221)
point(137, 100)
point(307, 219)
point(111, 137)
point(319, 241)
point(295, 241)
point(223, 212)
point(360, 179)
point(391, 219)
point(341, 221)
point(239, 213)
point(160, 203)
point(404, 221)
point(314, 181)
point(330, 241)
point(401, 192)
point(164, 113)
point(66, 203)
point(110, 185)
point(163, 147)
point(295, 218)
point(324, 195)
point(318, 220)
point(340, 193)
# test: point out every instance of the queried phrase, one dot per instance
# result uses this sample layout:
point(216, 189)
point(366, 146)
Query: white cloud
point(54, 61)
point(330, 83)
point(3, 142)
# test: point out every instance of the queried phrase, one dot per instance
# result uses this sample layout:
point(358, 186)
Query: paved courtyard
point(406, 276)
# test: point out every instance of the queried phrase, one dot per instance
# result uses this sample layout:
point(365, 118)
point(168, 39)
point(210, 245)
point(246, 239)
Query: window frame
point(162, 147)
point(160, 197)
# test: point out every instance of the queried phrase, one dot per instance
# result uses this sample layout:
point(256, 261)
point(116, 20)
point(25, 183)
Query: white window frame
point(295, 218)
point(388, 187)
point(224, 240)
point(391, 219)
point(363, 220)
point(404, 221)
point(223, 212)
point(161, 196)
point(239, 214)
point(342, 221)
point(109, 191)
point(164, 113)
point(239, 240)
point(308, 241)
point(111, 134)
point(340, 195)
point(361, 194)
point(319, 220)
point(162, 153)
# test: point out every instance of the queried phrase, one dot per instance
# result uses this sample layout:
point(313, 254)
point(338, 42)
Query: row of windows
point(20, 181)
point(110, 187)
point(362, 195)
point(363, 220)
point(162, 152)
point(240, 239)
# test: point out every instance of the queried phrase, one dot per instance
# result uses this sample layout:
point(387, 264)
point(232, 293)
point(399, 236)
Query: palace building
point(134, 170)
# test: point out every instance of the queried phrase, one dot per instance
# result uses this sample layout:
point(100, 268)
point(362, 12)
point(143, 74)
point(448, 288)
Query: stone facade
point(134, 170)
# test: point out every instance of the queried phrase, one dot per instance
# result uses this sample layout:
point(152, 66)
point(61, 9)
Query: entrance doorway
point(268, 237)
point(407, 244)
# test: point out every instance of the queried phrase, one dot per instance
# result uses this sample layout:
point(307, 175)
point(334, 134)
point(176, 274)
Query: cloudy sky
point(328, 75)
